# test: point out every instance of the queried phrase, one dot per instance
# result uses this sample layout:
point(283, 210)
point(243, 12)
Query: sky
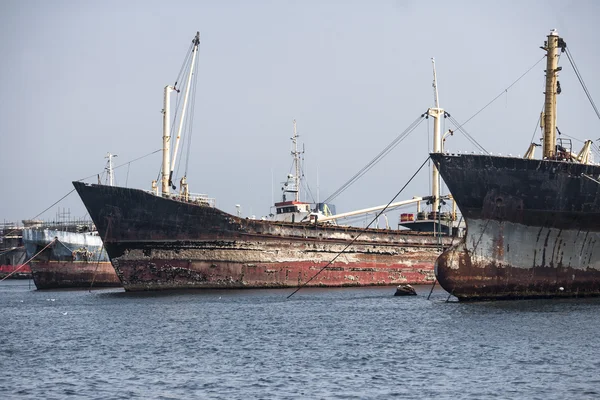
point(83, 78)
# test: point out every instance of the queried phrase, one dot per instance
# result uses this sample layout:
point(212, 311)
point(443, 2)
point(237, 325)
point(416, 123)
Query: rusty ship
point(159, 239)
point(69, 254)
point(12, 252)
point(533, 225)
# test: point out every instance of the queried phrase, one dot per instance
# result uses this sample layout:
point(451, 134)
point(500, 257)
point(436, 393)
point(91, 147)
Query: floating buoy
point(405, 290)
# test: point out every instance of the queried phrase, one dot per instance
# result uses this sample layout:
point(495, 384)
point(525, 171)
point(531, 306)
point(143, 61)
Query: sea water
point(346, 343)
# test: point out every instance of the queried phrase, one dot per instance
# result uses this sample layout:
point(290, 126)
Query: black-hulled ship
point(169, 240)
point(533, 226)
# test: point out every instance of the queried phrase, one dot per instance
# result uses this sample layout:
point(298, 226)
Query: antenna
point(436, 99)
point(272, 193)
point(317, 184)
point(296, 155)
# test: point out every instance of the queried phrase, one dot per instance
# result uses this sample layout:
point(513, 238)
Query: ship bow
point(532, 228)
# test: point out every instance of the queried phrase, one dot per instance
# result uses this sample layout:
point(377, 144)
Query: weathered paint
point(73, 260)
point(13, 255)
point(73, 274)
point(69, 246)
point(160, 243)
point(177, 274)
point(15, 271)
point(269, 264)
point(503, 260)
point(533, 228)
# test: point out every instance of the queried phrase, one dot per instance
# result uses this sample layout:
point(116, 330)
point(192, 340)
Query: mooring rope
point(64, 245)
point(28, 261)
point(434, 282)
point(361, 232)
point(590, 178)
point(12, 249)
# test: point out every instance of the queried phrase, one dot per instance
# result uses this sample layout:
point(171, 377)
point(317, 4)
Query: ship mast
point(166, 167)
point(551, 46)
point(296, 155)
point(196, 42)
point(110, 174)
point(436, 113)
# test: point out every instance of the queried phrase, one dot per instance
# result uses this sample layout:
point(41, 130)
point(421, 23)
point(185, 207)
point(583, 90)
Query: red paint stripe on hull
point(62, 275)
point(171, 274)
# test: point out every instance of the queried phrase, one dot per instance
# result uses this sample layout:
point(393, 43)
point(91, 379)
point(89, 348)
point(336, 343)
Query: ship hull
point(265, 264)
point(15, 272)
point(73, 275)
point(11, 261)
point(157, 243)
point(63, 259)
point(533, 228)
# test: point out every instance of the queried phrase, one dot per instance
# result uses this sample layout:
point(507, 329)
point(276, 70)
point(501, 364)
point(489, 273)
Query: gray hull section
point(502, 260)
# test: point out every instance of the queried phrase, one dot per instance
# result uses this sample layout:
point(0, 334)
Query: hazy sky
point(83, 78)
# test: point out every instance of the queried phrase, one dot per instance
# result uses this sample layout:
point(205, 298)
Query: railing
point(73, 225)
point(194, 198)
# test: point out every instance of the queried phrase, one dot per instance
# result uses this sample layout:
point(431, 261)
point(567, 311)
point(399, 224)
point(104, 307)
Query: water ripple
point(322, 343)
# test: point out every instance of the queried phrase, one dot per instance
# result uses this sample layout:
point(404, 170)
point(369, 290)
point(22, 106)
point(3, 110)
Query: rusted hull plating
point(260, 265)
point(11, 262)
point(156, 243)
point(511, 261)
point(533, 229)
point(15, 271)
point(67, 259)
point(71, 275)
